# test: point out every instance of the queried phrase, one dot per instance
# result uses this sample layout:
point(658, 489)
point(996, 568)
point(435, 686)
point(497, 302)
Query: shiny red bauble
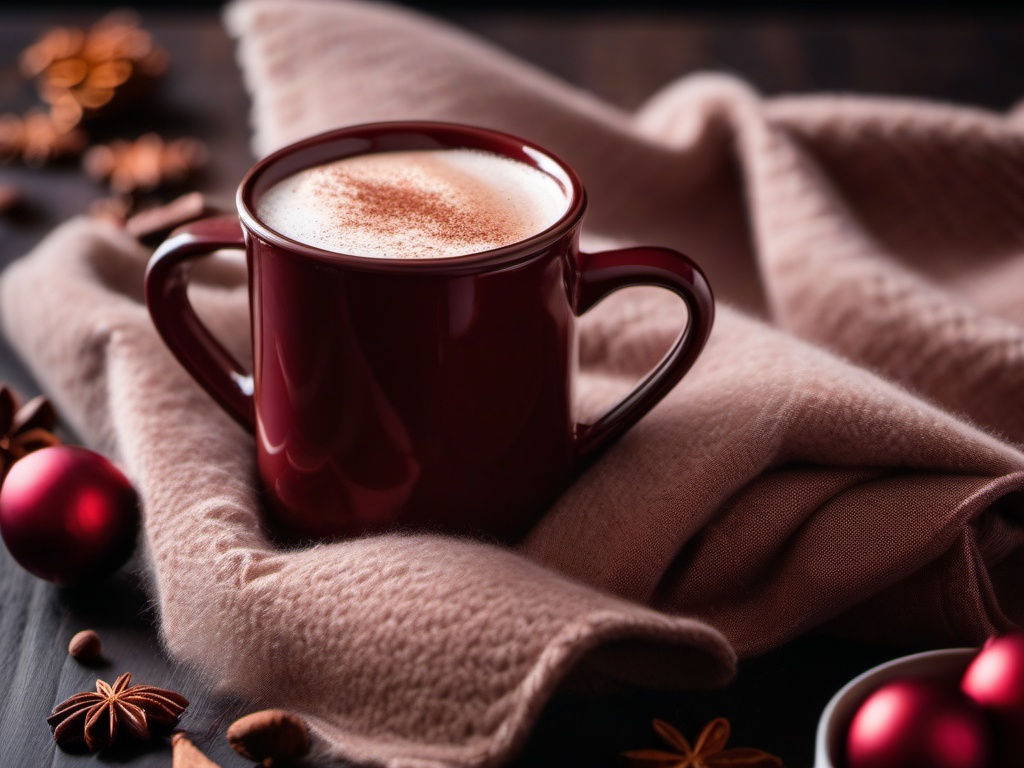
point(918, 723)
point(995, 680)
point(68, 515)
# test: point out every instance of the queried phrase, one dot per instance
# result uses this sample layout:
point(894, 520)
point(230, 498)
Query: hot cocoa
point(419, 204)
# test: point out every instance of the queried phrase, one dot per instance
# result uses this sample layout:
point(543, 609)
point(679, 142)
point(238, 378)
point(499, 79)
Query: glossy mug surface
point(407, 392)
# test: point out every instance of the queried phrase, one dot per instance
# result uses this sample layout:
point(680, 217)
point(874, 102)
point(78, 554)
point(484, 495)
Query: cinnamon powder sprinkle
point(414, 204)
point(392, 209)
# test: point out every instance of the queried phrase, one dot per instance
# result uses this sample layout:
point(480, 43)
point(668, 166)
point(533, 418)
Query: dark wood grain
point(202, 96)
point(624, 58)
point(621, 57)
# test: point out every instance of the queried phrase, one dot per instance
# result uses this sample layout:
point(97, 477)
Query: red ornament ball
point(918, 723)
point(68, 515)
point(995, 680)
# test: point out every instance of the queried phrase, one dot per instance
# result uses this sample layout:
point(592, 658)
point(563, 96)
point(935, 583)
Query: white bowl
point(838, 713)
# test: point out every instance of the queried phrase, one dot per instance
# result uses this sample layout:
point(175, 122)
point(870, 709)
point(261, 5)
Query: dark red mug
point(420, 393)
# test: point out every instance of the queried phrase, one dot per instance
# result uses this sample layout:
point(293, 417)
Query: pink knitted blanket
point(846, 453)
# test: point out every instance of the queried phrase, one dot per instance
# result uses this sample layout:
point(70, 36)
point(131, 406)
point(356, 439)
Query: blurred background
point(963, 50)
point(715, 6)
point(966, 52)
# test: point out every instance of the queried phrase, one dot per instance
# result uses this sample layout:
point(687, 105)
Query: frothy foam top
point(415, 204)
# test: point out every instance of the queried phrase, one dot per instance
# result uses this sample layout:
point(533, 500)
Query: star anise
point(145, 164)
point(24, 429)
point(36, 139)
point(84, 72)
point(708, 752)
point(98, 718)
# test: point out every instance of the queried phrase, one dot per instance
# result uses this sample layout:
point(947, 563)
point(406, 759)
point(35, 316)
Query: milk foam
point(414, 204)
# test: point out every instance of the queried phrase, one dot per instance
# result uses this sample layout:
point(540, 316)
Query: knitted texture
point(400, 650)
point(845, 454)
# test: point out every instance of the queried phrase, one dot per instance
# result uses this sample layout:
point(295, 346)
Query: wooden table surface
point(623, 57)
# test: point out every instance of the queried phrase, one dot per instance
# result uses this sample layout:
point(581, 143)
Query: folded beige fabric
point(845, 454)
point(779, 486)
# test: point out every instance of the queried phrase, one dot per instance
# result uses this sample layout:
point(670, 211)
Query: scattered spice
point(93, 72)
point(85, 72)
point(97, 719)
point(152, 225)
point(25, 428)
point(708, 752)
point(187, 755)
point(145, 164)
point(35, 139)
point(272, 737)
point(85, 646)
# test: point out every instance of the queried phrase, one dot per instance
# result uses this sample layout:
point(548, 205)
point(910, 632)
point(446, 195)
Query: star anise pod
point(36, 139)
point(24, 429)
point(145, 164)
point(98, 718)
point(84, 72)
point(708, 752)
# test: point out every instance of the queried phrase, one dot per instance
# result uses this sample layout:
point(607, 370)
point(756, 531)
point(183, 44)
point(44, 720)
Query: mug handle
point(176, 321)
point(600, 274)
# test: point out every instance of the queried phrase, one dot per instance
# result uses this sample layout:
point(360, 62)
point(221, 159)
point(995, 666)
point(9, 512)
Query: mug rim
point(449, 135)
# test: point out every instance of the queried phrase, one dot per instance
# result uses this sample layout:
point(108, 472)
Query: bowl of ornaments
point(953, 708)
